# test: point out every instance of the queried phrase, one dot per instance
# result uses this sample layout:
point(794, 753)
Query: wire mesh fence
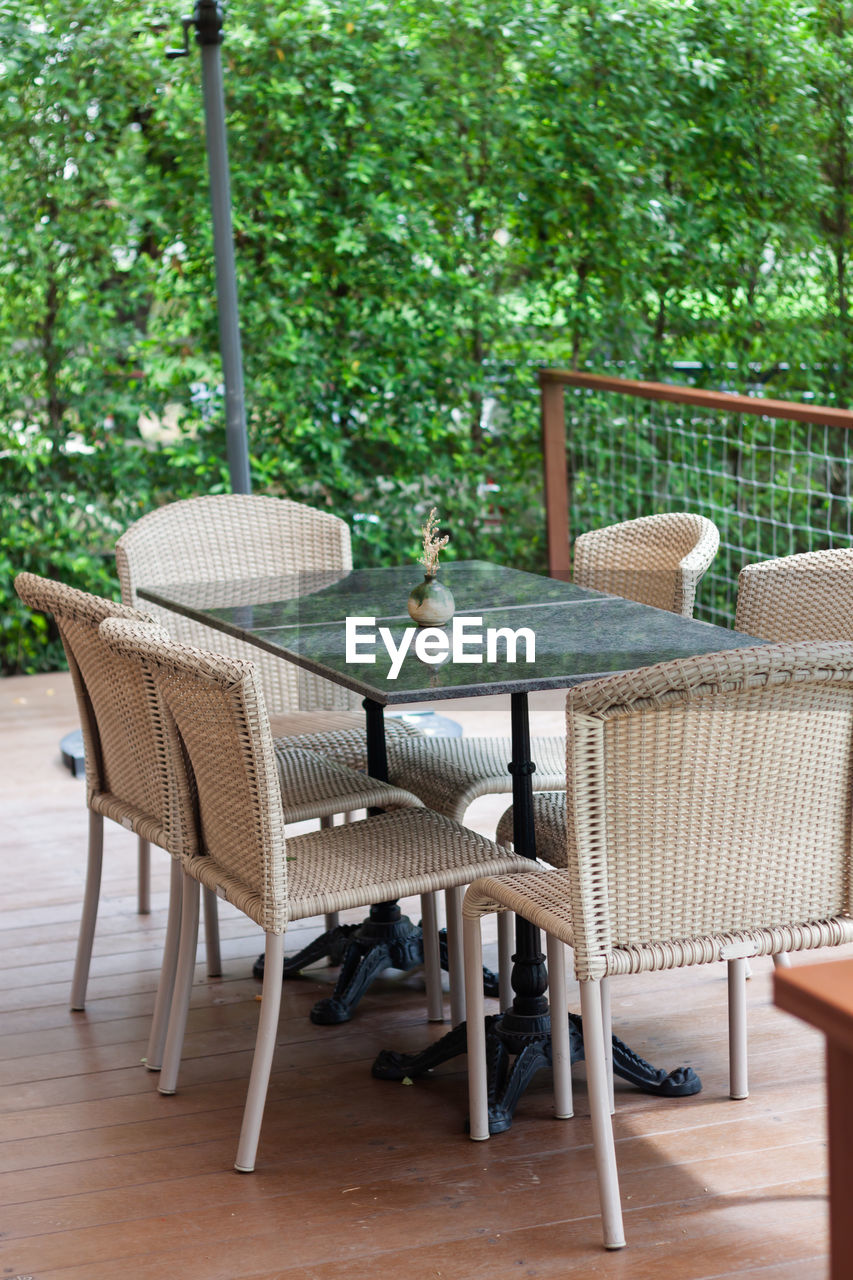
point(772, 486)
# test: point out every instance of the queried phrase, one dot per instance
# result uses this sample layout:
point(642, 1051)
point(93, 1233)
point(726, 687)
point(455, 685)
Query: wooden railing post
point(552, 384)
point(555, 469)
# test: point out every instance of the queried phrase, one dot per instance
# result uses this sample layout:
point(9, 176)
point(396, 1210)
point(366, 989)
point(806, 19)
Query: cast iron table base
point(531, 1051)
point(385, 940)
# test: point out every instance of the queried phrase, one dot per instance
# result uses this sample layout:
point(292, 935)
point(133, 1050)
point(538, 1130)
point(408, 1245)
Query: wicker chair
point(128, 772)
point(657, 560)
point(804, 597)
point(220, 716)
point(221, 537)
point(709, 807)
point(129, 779)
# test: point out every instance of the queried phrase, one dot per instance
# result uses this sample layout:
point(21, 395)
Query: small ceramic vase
point(431, 604)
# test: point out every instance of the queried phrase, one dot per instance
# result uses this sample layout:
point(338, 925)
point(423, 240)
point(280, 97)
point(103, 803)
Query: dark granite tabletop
point(577, 634)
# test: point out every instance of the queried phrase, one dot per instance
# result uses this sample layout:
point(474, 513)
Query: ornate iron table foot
point(334, 944)
point(683, 1082)
point(513, 1060)
point(386, 940)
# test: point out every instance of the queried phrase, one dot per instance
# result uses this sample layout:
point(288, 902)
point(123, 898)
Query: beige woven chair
point(234, 536)
point(794, 598)
point(709, 806)
point(128, 770)
point(804, 597)
point(657, 560)
point(129, 779)
point(224, 537)
point(237, 536)
point(219, 713)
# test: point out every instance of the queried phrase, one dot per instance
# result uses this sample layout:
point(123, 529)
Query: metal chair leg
point(168, 971)
point(259, 1079)
point(602, 1124)
point(738, 1069)
point(168, 1082)
point(86, 936)
point(478, 1087)
point(143, 890)
point(561, 1055)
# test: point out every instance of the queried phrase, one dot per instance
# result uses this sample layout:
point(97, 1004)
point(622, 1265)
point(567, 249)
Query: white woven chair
point(220, 716)
point(657, 560)
point(708, 818)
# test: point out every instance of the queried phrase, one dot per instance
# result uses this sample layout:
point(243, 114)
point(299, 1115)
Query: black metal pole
point(208, 22)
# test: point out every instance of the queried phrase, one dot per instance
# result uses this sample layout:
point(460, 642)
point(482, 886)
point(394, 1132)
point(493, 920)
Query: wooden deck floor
point(103, 1179)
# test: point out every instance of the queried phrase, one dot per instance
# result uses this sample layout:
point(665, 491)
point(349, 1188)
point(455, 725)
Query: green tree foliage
point(430, 199)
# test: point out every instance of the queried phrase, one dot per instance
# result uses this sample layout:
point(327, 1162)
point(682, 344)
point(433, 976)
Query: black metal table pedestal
point(518, 1041)
point(508, 1079)
point(332, 946)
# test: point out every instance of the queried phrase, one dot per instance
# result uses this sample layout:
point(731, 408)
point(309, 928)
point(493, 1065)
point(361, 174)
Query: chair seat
point(450, 773)
point(290, 724)
point(313, 786)
point(388, 856)
point(549, 821)
point(447, 774)
point(345, 742)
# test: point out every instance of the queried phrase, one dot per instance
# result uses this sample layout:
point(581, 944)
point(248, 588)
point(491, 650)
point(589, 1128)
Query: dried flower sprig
point(432, 544)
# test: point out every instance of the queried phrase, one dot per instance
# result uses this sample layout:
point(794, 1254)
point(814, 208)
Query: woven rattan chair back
point(129, 773)
point(657, 560)
point(219, 713)
point(229, 537)
point(218, 709)
point(804, 597)
point(708, 798)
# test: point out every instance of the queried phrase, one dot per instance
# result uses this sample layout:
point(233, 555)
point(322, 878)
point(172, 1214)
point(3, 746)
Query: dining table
point(513, 632)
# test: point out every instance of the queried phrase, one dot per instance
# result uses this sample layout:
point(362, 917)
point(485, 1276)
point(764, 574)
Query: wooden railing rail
point(552, 383)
